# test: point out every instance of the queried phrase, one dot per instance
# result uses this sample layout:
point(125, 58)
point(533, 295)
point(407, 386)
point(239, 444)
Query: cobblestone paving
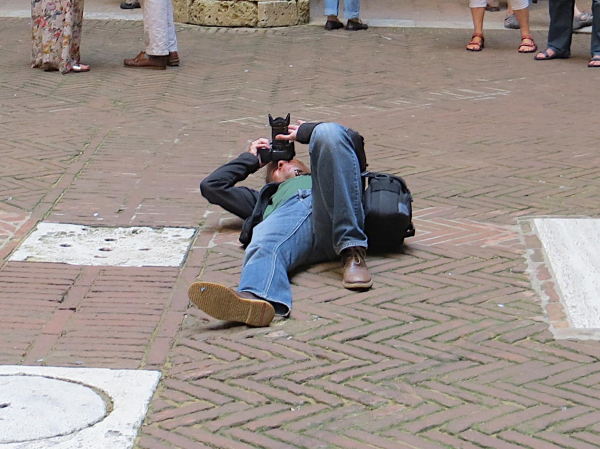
point(450, 349)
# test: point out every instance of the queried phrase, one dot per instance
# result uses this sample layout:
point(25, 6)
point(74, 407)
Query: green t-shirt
point(287, 189)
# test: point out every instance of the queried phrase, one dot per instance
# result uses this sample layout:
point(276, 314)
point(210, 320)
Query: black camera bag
point(387, 204)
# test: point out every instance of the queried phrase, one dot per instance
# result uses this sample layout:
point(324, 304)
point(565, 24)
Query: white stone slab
point(129, 391)
point(46, 406)
point(102, 246)
point(572, 247)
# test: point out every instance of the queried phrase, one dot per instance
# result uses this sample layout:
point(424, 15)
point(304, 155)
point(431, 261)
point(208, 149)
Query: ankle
point(354, 251)
point(249, 295)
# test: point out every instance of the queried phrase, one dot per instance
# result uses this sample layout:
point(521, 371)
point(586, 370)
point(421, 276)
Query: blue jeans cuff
point(350, 245)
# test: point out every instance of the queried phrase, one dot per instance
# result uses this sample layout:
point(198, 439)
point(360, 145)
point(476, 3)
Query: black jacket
point(220, 186)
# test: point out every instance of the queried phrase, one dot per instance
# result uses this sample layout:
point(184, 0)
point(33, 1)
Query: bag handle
point(368, 175)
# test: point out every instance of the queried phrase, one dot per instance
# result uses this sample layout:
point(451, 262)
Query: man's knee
point(328, 134)
point(261, 245)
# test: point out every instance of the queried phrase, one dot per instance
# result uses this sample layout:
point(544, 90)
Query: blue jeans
point(313, 225)
point(561, 26)
point(351, 8)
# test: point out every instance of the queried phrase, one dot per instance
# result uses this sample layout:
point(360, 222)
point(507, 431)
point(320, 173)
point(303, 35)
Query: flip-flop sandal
point(594, 66)
point(531, 48)
point(549, 56)
point(480, 45)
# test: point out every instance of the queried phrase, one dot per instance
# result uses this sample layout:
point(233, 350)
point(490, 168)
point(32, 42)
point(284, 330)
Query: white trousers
point(159, 27)
point(516, 4)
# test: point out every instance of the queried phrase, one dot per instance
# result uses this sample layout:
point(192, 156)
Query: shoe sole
point(357, 285)
point(223, 304)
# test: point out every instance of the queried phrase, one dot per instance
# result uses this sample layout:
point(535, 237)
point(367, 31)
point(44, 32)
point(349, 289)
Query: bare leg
point(527, 43)
point(523, 18)
point(477, 14)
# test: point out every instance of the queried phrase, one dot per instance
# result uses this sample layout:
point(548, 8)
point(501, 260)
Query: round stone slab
point(35, 407)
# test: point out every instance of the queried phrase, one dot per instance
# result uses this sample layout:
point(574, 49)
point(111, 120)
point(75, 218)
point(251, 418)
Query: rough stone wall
point(242, 13)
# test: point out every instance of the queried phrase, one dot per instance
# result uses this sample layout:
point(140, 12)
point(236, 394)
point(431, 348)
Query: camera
point(281, 150)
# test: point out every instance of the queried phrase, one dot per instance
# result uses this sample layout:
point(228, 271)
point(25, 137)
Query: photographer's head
point(279, 171)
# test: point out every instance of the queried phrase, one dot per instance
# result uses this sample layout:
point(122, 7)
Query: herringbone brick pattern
point(450, 349)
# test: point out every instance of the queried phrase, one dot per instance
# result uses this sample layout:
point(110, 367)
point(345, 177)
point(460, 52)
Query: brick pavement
point(450, 349)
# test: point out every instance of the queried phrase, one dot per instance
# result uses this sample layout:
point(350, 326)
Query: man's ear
point(280, 164)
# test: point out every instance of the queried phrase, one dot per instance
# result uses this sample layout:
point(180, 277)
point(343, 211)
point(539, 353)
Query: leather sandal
point(479, 45)
point(173, 60)
point(530, 48)
point(595, 58)
point(548, 56)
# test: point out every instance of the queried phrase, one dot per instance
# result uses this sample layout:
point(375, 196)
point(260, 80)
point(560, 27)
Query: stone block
point(180, 11)
point(223, 13)
point(277, 13)
point(303, 11)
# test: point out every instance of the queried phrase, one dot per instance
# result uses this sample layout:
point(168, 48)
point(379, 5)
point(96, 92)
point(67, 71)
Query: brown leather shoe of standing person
point(144, 61)
point(331, 25)
point(225, 304)
point(356, 273)
point(173, 60)
point(356, 25)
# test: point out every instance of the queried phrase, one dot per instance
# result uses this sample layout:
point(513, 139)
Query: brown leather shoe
point(228, 305)
point(333, 25)
point(356, 25)
point(356, 273)
point(144, 61)
point(173, 60)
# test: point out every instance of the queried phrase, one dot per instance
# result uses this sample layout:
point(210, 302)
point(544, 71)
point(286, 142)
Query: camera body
point(281, 150)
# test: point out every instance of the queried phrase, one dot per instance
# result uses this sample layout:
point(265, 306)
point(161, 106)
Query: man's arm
point(219, 187)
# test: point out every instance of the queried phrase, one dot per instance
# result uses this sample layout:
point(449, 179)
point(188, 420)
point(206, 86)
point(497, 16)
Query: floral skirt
point(56, 33)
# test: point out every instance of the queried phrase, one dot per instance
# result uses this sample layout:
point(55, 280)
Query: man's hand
point(292, 130)
point(260, 143)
